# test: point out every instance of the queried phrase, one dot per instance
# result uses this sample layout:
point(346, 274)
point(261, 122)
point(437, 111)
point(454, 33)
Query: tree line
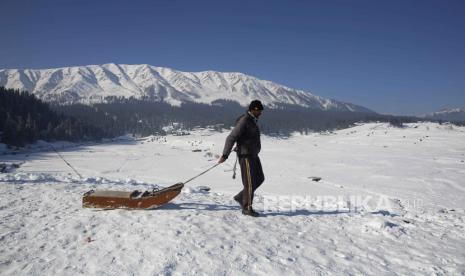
point(24, 118)
point(143, 117)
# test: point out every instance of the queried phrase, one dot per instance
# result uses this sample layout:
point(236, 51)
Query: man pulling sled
point(246, 135)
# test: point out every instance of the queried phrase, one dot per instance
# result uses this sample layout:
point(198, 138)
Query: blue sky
point(398, 57)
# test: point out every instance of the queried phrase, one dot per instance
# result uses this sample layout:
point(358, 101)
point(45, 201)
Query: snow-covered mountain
point(91, 84)
point(449, 114)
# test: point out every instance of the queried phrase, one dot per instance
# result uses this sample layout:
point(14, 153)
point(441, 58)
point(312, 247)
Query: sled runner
point(130, 200)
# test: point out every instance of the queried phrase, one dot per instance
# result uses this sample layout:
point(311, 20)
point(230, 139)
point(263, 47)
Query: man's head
point(256, 108)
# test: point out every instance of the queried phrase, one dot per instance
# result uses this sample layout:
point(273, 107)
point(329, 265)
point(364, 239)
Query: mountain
point(449, 114)
point(93, 83)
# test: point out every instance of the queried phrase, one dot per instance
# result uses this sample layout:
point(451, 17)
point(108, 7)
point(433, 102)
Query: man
point(246, 135)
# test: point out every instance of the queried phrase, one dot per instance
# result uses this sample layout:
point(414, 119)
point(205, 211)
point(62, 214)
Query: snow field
point(44, 229)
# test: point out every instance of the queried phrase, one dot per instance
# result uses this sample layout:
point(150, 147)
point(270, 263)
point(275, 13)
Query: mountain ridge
point(93, 83)
point(448, 114)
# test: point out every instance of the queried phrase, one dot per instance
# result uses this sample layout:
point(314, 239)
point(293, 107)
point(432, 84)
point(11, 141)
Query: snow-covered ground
point(391, 201)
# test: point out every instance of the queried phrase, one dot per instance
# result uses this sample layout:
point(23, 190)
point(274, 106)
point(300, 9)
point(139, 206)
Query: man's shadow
point(303, 213)
point(198, 206)
point(221, 207)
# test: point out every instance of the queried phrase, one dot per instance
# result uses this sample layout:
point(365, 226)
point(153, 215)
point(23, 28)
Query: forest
point(25, 119)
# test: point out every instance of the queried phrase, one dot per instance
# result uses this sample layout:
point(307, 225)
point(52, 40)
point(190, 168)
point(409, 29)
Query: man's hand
point(221, 160)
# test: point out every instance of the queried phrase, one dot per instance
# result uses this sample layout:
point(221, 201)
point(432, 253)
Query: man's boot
point(250, 212)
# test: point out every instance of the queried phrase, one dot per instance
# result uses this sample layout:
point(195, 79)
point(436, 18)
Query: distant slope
point(450, 114)
point(93, 83)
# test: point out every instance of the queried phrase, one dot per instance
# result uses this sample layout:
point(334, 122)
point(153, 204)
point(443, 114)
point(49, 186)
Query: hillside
point(94, 83)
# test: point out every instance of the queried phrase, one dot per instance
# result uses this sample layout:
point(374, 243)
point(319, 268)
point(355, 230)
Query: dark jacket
point(247, 136)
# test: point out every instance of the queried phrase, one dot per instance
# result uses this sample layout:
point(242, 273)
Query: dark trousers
point(252, 178)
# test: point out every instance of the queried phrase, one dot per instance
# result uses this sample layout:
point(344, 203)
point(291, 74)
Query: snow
point(390, 201)
point(90, 84)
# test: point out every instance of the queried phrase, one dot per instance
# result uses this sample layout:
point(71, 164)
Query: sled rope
point(201, 173)
point(234, 169)
point(67, 163)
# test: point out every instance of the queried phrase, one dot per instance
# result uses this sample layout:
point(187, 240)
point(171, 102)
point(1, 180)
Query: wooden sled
point(130, 200)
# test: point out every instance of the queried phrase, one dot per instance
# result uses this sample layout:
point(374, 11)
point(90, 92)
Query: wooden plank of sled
point(115, 194)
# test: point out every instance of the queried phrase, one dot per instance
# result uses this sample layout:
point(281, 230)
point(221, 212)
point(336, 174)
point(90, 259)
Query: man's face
point(257, 113)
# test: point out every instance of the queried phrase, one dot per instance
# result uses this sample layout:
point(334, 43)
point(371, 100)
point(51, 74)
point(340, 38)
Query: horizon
point(391, 57)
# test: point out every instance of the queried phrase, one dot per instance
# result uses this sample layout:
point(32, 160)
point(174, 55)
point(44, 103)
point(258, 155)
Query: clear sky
point(393, 56)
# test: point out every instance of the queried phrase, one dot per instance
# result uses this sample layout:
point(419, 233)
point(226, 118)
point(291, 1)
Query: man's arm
point(232, 138)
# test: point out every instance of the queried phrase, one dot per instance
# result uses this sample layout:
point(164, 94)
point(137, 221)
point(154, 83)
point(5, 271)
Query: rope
point(201, 173)
point(234, 168)
point(80, 176)
point(62, 158)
